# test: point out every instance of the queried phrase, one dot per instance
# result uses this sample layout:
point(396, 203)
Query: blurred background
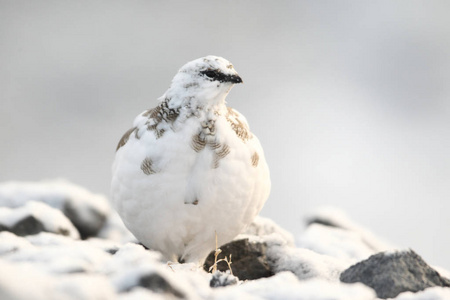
point(350, 99)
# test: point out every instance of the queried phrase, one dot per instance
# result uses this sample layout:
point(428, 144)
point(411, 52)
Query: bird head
point(205, 81)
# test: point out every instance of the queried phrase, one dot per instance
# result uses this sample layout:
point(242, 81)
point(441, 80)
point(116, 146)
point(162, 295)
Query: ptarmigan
point(190, 167)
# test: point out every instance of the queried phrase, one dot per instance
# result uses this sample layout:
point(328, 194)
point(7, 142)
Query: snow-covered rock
point(87, 211)
point(223, 279)
point(34, 217)
point(263, 227)
point(304, 263)
point(332, 232)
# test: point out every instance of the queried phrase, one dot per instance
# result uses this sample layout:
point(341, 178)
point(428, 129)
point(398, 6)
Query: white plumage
point(190, 167)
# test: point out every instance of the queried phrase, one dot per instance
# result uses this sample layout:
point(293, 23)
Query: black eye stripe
point(213, 74)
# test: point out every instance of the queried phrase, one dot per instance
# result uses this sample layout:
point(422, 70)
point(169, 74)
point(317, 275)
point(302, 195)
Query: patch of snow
point(132, 262)
point(10, 242)
point(49, 239)
point(84, 286)
point(228, 293)
point(130, 255)
point(432, 293)
point(26, 281)
point(139, 293)
point(285, 286)
point(123, 267)
point(195, 277)
point(59, 255)
point(263, 226)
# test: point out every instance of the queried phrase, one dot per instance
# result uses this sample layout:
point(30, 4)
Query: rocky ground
point(60, 241)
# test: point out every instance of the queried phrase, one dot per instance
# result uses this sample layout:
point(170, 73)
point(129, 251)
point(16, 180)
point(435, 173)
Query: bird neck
point(196, 101)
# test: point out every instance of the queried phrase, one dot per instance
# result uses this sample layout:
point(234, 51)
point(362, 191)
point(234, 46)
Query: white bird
point(190, 167)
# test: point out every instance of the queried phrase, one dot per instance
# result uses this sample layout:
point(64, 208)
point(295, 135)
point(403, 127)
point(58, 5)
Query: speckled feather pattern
point(190, 167)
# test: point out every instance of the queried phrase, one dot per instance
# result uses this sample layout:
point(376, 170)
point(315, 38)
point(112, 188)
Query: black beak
point(234, 79)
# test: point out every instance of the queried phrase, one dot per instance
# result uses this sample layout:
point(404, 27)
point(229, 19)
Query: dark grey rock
point(86, 229)
point(159, 284)
point(3, 228)
point(27, 226)
point(390, 274)
point(249, 259)
point(322, 221)
point(112, 251)
point(220, 279)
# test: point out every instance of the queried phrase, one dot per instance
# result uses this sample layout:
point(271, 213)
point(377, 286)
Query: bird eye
point(210, 73)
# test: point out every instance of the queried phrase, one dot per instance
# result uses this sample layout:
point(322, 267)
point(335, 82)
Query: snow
point(52, 192)
point(263, 227)
point(112, 265)
point(10, 242)
point(25, 281)
point(15, 277)
point(285, 286)
point(304, 263)
point(434, 293)
point(59, 256)
point(139, 293)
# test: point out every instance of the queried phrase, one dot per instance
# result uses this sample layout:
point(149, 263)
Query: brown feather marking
point(166, 113)
point(224, 151)
point(151, 127)
point(159, 133)
point(136, 134)
point(155, 114)
point(240, 128)
point(255, 159)
point(149, 112)
point(147, 166)
point(125, 138)
point(161, 113)
point(198, 144)
point(214, 145)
